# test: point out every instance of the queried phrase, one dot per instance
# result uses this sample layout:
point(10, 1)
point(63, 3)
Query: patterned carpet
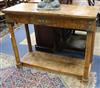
point(4, 29)
point(29, 78)
point(12, 77)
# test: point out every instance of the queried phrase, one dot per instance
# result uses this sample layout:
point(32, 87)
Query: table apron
point(54, 21)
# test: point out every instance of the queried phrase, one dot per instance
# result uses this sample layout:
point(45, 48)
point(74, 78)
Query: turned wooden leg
point(69, 1)
point(89, 48)
point(14, 44)
point(28, 38)
point(87, 55)
point(93, 38)
point(66, 1)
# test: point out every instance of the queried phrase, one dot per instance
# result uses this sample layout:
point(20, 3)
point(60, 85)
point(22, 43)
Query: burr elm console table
point(69, 16)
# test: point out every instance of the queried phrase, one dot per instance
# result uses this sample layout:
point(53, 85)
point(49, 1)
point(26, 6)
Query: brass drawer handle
point(43, 21)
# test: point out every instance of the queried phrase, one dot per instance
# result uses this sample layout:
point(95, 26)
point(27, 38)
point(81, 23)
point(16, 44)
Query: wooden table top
point(65, 10)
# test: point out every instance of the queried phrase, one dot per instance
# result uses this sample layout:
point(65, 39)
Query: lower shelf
point(54, 62)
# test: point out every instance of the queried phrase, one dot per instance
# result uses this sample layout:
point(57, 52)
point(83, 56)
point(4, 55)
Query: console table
point(82, 18)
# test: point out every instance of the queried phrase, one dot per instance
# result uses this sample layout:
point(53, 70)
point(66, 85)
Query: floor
point(6, 47)
point(5, 42)
point(22, 43)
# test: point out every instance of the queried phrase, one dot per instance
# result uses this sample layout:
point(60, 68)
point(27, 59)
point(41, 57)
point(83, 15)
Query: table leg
point(93, 38)
point(14, 44)
point(88, 53)
point(66, 1)
point(28, 38)
point(69, 1)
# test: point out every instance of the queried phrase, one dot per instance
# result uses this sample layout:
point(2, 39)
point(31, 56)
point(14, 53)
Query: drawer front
point(54, 21)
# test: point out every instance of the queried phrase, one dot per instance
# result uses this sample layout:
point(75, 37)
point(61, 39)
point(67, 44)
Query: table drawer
point(54, 21)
